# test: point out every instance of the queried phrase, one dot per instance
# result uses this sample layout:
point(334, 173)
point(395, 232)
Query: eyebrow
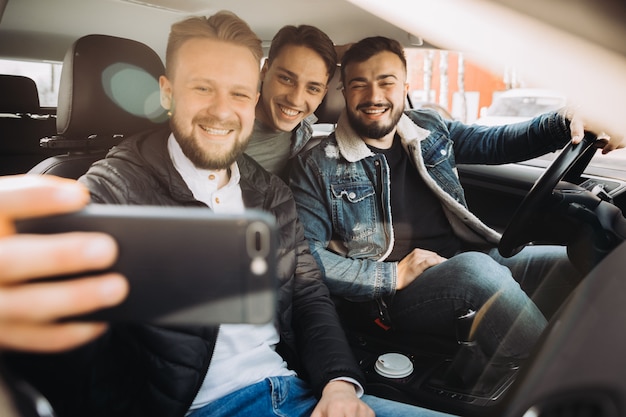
point(211, 81)
point(378, 78)
point(295, 76)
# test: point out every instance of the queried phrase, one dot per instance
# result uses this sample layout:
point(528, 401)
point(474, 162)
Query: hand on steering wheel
point(524, 223)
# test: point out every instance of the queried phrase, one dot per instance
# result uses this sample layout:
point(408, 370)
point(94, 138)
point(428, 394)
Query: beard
point(207, 155)
point(373, 130)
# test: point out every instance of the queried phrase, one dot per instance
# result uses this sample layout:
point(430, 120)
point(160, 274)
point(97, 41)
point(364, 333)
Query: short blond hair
point(224, 25)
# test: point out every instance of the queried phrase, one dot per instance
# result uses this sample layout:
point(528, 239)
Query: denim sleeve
point(356, 279)
point(476, 144)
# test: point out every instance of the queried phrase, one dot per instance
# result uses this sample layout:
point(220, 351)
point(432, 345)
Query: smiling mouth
point(375, 111)
point(288, 111)
point(215, 131)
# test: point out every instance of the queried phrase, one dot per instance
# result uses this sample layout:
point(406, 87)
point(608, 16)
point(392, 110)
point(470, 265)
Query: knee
point(478, 269)
point(478, 264)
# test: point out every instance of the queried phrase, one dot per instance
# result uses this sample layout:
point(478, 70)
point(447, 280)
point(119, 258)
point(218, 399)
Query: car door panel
point(494, 192)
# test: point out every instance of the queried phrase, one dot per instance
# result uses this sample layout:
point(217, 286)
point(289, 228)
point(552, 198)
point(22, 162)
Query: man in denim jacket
point(386, 217)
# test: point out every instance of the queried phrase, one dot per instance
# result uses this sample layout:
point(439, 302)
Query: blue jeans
point(512, 297)
point(291, 397)
point(544, 273)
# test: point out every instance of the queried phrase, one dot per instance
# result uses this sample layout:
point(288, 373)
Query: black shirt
point(418, 218)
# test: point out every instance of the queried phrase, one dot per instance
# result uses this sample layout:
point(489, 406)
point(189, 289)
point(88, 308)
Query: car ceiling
point(560, 44)
point(26, 22)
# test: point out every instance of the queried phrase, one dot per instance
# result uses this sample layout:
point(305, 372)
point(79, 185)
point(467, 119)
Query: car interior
point(22, 123)
point(109, 90)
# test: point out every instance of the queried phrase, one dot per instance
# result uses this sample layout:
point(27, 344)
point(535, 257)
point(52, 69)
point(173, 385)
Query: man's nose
point(219, 106)
point(296, 96)
point(375, 93)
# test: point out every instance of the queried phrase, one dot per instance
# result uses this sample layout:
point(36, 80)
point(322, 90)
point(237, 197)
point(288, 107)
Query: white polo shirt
point(244, 353)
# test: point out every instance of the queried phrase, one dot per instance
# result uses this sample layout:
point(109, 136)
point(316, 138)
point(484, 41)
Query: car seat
point(333, 103)
point(19, 95)
point(108, 90)
point(22, 125)
point(328, 111)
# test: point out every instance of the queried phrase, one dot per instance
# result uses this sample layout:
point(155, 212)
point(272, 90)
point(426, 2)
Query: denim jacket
point(342, 190)
point(302, 134)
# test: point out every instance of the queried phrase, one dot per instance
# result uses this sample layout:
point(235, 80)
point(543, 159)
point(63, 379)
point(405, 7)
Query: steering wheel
point(519, 231)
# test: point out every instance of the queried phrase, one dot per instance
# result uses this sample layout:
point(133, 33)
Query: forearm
point(355, 279)
point(321, 342)
point(509, 143)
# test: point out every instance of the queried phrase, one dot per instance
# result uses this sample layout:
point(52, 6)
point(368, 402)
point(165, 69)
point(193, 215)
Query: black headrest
point(18, 94)
point(109, 86)
point(331, 107)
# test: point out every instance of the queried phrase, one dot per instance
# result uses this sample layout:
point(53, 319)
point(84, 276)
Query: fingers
point(44, 302)
point(28, 313)
point(609, 143)
point(23, 196)
point(30, 310)
point(577, 129)
point(412, 265)
point(339, 400)
point(49, 337)
point(35, 256)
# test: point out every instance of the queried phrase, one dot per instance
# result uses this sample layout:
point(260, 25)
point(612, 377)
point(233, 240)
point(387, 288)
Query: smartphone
point(185, 265)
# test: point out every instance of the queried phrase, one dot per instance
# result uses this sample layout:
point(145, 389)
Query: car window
point(45, 74)
point(453, 82)
point(524, 106)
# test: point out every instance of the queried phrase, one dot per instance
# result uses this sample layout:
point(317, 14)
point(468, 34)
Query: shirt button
point(217, 200)
point(352, 195)
point(443, 152)
point(212, 177)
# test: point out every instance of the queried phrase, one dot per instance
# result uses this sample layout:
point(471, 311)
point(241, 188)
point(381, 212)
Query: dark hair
point(367, 48)
point(223, 26)
point(308, 36)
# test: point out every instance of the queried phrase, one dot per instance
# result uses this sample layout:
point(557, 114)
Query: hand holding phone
point(30, 310)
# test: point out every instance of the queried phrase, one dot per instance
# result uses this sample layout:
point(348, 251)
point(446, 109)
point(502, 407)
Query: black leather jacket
point(145, 370)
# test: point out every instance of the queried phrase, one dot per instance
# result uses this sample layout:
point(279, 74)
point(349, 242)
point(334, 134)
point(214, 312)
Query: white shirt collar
point(203, 182)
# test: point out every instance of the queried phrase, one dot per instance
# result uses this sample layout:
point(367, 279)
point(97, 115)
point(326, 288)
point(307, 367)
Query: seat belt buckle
point(384, 319)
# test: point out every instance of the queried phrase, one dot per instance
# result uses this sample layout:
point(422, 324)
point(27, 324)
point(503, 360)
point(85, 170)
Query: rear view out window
point(45, 74)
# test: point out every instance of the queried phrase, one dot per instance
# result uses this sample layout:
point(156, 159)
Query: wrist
point(337, 385)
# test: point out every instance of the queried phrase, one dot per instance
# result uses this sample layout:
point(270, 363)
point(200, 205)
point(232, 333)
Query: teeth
point(213, 131)
point(289, 112)
point(374, 111)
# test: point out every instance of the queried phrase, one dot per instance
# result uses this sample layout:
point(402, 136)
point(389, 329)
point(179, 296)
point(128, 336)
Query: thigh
point(536, 264)
point(388, 408)
point(272, 397)
point(432, 302)
point(544, 273)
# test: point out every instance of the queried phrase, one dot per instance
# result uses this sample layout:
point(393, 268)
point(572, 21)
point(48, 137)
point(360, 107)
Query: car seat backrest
point(18, 95)
point(22, 125)
point(333, 103)
point(328, 111)
point(109, 86)
point(108, 90)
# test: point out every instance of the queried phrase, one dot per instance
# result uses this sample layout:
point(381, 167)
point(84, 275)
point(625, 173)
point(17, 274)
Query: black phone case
point(184, 265)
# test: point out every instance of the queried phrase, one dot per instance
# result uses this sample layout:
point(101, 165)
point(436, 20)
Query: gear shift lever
point(469, 362)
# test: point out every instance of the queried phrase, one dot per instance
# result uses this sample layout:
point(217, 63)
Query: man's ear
point(165, 92)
